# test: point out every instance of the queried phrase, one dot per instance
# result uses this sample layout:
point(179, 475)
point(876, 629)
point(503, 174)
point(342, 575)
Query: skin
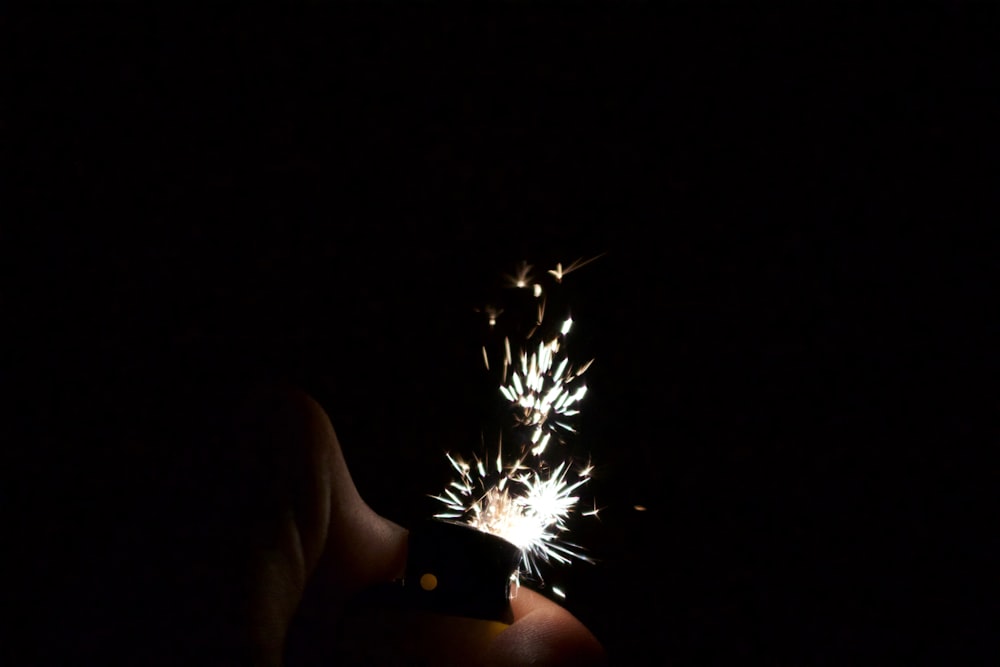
point(325, 545)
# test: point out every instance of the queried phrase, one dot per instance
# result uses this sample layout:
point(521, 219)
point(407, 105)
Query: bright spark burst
point(527, 500)
point(542, 385)
point(528, 508)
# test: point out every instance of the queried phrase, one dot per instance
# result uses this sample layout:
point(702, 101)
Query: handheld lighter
point(452, 600)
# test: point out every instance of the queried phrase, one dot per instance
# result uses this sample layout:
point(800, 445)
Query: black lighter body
point(453, 599)
point(458, 570)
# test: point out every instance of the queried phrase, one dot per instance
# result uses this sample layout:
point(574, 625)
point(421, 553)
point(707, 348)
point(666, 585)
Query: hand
point(323, 545)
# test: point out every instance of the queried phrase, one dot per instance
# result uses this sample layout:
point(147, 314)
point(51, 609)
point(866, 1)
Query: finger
point(314, 529)
point(543, 633)
point(292, 475)
point(361, 547)
point(345, 546)
point(344, 543)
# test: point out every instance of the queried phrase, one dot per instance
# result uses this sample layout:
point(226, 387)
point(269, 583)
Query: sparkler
point(528, 492)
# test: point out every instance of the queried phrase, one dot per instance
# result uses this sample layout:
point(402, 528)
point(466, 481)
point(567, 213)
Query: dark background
point(788, 320)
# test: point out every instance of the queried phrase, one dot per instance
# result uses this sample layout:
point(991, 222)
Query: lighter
point(452, 600)
point(458, 570)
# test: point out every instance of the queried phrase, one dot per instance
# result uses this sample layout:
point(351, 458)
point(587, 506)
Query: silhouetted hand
point(320, 545)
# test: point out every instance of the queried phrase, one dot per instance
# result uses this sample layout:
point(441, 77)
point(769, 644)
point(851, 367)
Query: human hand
point(323, 546)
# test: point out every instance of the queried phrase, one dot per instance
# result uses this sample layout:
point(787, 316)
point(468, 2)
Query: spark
point(594, 512)
point(521, 276)
point(526, 497)
point(539, 391)
point(559, 272)
point(492, 314)
point(540, 448)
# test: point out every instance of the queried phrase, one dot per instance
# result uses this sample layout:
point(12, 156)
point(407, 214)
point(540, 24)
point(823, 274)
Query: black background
point(787, 321)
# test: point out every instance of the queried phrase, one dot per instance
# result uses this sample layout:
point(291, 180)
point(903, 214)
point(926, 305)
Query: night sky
point(787, 318)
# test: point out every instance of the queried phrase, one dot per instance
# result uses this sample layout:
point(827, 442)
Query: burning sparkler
point(521, 496)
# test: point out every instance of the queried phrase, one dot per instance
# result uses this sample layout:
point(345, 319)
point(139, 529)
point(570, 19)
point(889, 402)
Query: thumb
point(326, 543)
